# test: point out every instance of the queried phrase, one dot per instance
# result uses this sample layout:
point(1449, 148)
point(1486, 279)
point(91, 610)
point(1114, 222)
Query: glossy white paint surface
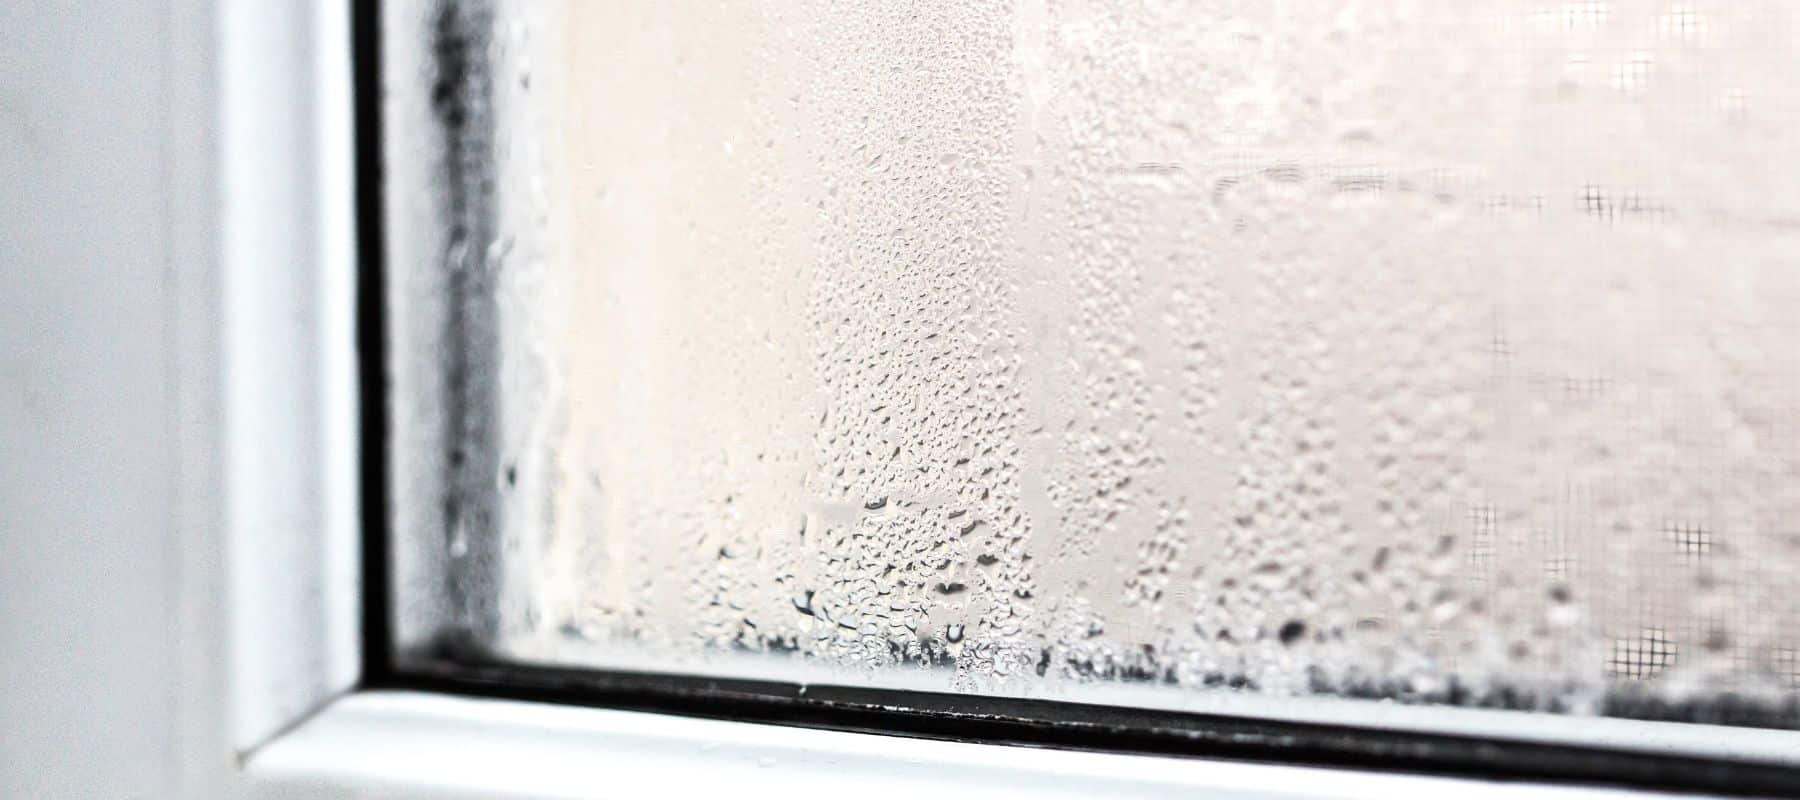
point(289, 360)
point(428, 746)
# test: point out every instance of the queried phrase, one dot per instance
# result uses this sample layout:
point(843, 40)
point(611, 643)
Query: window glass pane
point(1179, 354)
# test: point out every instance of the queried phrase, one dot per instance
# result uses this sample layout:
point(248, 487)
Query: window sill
point(416, 745)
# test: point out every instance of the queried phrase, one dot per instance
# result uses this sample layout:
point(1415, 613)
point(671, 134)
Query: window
point(1353, 400)
point(1186, 371)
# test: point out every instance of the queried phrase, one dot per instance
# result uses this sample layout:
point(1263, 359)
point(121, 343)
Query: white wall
point(104, 410)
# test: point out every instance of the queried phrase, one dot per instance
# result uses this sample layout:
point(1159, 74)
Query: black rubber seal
point(371, 342)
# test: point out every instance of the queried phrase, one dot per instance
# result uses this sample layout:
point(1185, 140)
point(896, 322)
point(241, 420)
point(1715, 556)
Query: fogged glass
point(1438, 351)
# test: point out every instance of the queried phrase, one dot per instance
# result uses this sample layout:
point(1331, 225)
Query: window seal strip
point(1082, 726)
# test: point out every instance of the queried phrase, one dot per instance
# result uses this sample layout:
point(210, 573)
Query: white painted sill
point(421, 746)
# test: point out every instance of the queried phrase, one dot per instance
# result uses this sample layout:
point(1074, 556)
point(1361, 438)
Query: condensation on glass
point(1441, 352)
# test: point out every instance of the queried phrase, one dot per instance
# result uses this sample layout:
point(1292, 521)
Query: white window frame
point(265, 534)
